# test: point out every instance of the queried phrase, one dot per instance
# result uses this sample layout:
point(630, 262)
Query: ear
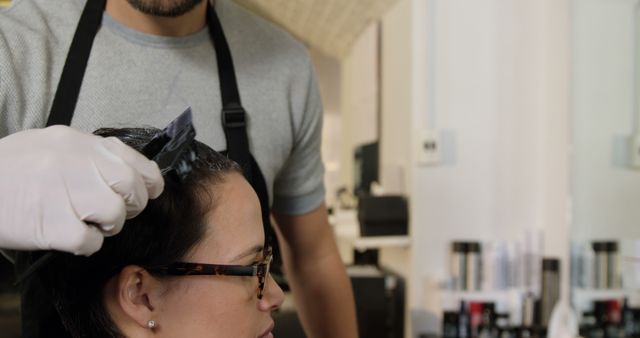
point(136, 294)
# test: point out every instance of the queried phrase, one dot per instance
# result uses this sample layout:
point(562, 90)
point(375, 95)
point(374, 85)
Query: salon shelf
point(450, 299)
point(346, 228)
point(364, 243)
point(583, 297)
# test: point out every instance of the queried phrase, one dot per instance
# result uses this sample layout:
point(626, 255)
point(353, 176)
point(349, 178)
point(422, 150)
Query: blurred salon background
point(482, 163)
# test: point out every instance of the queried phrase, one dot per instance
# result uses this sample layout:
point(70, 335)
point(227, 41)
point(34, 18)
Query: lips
point(267, 333)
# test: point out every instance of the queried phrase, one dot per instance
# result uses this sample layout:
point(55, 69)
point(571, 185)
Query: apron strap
point(66, 97)
point(234, 122)
point(234, 117)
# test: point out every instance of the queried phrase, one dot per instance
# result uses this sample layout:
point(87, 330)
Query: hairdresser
point(99, 63)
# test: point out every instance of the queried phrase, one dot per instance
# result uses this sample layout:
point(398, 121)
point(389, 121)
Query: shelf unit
point(365, 243)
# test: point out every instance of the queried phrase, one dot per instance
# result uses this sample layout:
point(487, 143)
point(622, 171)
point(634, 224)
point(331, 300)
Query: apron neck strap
point(233, 115)
point(64, 102)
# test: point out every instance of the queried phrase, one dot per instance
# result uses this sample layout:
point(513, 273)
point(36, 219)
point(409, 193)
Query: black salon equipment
point(383, 216)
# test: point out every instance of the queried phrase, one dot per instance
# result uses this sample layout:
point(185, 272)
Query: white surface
point(606, 193)
point(347, 231)
point(630, 263)
point(364, 271)
point(502, 86)
point(364, 243)
point(635, 152)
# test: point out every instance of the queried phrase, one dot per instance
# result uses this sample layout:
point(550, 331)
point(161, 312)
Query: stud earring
point(151, 324)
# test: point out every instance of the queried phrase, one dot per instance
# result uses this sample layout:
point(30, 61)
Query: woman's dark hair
point(168, 228)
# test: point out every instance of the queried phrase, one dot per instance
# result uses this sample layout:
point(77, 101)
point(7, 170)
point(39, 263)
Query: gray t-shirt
point(134, 79)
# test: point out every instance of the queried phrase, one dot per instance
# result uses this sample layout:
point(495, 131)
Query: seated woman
point(192, 264)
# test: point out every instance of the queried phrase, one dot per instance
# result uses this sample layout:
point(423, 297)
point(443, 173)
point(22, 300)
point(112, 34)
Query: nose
point(273, 296)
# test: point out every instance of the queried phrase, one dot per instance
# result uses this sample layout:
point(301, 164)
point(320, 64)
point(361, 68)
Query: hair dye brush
point(172, 149)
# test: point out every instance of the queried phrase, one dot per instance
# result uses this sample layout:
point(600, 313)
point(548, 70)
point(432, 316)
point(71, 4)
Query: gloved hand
point(65, 190)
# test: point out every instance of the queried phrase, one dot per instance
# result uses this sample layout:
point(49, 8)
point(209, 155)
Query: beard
point(164, 8)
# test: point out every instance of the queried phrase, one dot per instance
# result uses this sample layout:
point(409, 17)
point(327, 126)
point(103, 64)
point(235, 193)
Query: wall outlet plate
point(634, 148)
point(427, 147)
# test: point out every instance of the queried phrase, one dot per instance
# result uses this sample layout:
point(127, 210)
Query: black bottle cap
point(460, 247)
point(605, 246)
point(551, 264)
point(466, 247)
point(473, 247)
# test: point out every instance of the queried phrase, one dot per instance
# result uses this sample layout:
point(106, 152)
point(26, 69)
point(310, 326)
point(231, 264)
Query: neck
point(186, 24)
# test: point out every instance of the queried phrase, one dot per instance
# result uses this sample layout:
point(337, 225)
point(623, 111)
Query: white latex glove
point(65, 190)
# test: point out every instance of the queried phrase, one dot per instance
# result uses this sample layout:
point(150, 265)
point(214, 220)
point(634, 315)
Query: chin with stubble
point(164, 8)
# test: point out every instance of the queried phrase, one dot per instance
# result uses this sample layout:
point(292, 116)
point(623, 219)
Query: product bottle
point(613, 264)
point(474, 266)
point(502, 325)
point(587, 268)
point(450, 324)
point(475, 318)
point(528, 310)
point(550, 288)
point(463, 321)
point(607, 274)
point(614, 328)
point(630, 320)
point(458, 266)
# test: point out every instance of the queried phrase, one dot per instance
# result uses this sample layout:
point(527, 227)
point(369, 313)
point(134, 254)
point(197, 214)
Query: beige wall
point(396, 98)
point(359, 99)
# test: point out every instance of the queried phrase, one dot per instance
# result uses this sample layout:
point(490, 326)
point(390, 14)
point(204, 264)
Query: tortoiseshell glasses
point(259, 269)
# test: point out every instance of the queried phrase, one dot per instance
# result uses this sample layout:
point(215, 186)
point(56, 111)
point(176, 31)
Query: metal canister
point(458, 266)
point(550, 288)
point(607, 266)
point(474, 266)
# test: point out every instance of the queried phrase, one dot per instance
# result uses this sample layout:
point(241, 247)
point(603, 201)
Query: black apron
point(39, 318)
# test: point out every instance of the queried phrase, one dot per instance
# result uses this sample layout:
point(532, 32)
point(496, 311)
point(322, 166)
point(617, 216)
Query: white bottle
point(588, 262)
point(563, 322)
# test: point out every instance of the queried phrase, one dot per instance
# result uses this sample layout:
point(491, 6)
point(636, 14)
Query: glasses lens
point(261, 281)
point(264, 272)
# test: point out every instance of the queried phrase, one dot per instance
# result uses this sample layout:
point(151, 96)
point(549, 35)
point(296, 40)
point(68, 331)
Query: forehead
point(234, 222)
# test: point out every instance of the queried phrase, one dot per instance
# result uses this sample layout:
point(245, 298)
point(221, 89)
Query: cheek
point(210, 307)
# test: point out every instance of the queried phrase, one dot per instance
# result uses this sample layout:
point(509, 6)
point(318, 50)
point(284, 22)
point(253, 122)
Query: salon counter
point(393, 250)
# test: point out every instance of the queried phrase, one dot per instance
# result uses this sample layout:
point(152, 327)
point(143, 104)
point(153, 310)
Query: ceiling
point(329, 26)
